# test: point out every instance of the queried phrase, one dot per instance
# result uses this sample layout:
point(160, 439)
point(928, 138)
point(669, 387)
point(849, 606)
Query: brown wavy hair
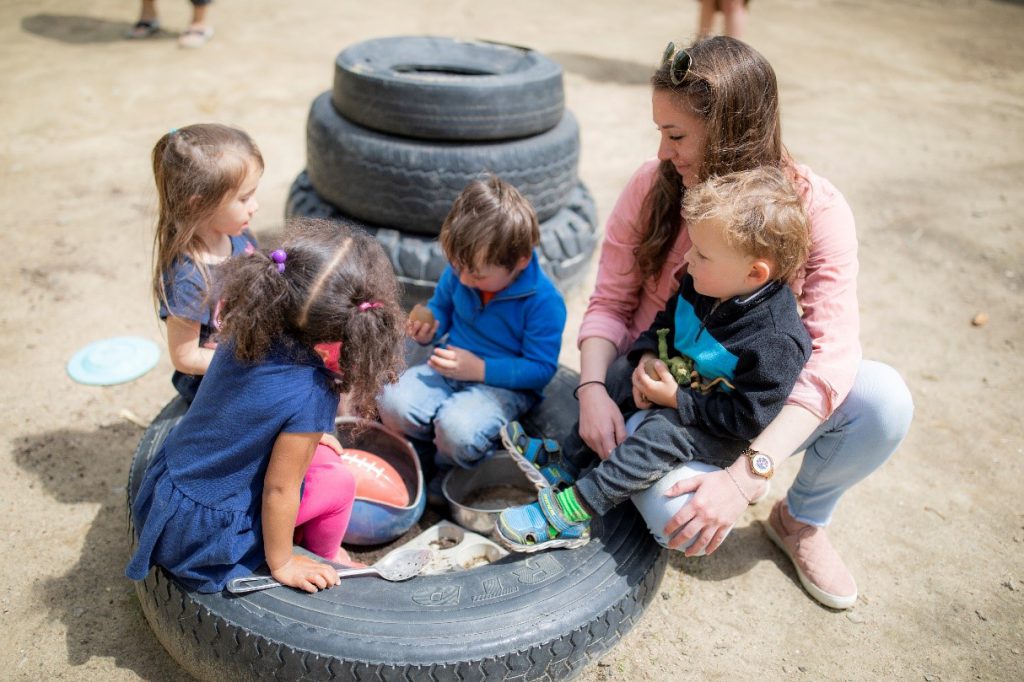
point(330, 269)
point(194, 167)
point(490, 223)
point(732, 89)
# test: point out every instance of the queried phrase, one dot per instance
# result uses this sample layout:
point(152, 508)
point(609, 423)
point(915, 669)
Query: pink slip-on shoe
point(820, 568)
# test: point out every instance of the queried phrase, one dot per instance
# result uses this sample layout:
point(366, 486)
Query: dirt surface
point(914, 109)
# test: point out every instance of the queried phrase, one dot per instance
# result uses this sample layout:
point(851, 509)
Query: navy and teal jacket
point(518, 334)
point(756, 342)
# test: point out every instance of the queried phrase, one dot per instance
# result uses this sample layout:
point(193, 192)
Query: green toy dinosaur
point(681, 367)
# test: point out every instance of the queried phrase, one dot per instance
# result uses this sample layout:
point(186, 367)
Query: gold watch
point(760, 464)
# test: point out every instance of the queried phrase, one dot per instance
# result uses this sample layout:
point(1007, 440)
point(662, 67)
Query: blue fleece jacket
point(518, 334)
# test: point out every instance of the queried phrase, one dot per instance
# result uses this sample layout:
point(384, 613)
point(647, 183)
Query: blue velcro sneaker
point(529, 528)
point(540, 459)
point(113, 361)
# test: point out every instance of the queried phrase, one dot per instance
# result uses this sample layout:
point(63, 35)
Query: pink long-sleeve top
point(622, 306)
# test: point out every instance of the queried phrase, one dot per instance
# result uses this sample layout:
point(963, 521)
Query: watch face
point(762, 464)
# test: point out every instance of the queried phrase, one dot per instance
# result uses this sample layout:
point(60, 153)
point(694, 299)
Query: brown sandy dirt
point(914, 109)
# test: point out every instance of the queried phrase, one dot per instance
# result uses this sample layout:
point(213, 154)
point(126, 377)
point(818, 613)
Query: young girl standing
point(233, 485)
point(206, 178)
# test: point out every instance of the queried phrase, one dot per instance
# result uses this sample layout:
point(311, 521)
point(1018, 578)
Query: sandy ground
point(914, 109)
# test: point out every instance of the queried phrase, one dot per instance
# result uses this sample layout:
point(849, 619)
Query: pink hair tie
point(367, 305)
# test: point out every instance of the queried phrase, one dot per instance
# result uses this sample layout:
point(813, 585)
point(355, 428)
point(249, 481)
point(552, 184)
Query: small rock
point(802, 668)
point(980, 320)
point(1009, 584)
point(1015, 651)
point(854, 617)
point(785, 669)
point(77, 612)
point(930, 678)
point(666, 596)
point(980, 614)
point(603, 664)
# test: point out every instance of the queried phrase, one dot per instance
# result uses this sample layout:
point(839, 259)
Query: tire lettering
point(538, 569)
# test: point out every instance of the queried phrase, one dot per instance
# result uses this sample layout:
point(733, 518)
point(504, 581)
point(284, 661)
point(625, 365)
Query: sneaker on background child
point(734, 319)
point(503, 320)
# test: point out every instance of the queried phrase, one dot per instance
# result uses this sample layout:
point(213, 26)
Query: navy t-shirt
point(198, 507)
point(188, 298)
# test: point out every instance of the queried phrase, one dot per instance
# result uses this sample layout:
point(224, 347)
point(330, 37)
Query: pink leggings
point(326, 505)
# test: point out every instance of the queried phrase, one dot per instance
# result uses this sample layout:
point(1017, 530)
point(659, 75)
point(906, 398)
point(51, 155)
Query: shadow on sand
point(604, 69)
point(79, 30)
point(93, 599)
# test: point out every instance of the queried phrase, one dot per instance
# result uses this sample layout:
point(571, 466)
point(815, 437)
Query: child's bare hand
point(306, 574)
point(647, 391)
point(421, 332)
point(333, 443)
point(457, 363)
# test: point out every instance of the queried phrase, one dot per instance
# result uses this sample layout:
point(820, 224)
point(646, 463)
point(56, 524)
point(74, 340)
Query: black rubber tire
point(411, 184)
point(447, 89)
point(567, 241)
point(526, 617)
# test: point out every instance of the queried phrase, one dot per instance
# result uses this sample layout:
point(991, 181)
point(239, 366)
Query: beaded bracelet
point(576, 391)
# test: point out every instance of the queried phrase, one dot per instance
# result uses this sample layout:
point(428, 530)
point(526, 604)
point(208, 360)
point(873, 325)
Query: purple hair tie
point(279, 257)
point(367, 305)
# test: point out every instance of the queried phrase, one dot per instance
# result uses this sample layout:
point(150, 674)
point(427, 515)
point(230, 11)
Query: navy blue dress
point(198, 507)
point(188, 299)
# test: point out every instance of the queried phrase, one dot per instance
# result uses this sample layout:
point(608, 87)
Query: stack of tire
point(411, 121)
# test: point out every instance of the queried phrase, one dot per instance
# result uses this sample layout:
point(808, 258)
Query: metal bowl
point(476, 496)
point(374, 522)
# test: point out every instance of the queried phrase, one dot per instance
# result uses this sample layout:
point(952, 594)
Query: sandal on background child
point(143, 28)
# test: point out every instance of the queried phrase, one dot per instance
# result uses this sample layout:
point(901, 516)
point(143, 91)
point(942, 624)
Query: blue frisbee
point(113, 361)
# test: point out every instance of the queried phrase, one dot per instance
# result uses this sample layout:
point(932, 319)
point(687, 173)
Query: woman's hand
point(306, 574)
point(602, 427)
point(421, 332)
point(716, 505)
point(457, 363)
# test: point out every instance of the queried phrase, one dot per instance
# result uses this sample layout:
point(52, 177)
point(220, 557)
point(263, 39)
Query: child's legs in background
point(326, 507)
point(735, 12)
point(411, 405)
point(467, 425)
point(706, 19)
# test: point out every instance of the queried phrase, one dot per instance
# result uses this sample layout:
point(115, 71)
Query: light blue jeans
point(455, 421)
point(858, 438)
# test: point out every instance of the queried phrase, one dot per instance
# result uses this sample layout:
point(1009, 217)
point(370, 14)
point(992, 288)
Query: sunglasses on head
point(678, 61)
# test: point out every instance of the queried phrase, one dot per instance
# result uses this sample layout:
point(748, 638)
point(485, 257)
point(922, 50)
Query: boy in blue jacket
point(503, 319)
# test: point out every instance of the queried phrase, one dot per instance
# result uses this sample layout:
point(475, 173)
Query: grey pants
point(660, 444)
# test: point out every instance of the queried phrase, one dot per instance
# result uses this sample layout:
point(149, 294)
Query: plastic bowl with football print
point(395, 567)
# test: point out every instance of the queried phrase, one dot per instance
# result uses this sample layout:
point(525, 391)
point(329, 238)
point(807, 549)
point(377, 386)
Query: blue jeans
point(455, 421)
point(858, 438)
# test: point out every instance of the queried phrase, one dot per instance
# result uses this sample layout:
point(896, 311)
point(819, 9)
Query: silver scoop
point(395, 567)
